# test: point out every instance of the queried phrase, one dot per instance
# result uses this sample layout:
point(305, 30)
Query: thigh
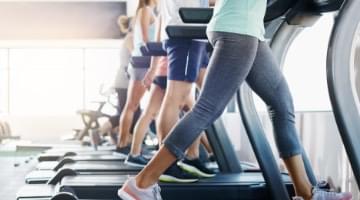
point(136, 91)
point(177, 51)
point(122, 96)
point(177, 92)
point(136, 74)
point(265, 75)
point(155, 101)
point(232, 59)
point(195, 59)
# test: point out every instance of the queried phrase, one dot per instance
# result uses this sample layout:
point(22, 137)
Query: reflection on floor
point(11, 177)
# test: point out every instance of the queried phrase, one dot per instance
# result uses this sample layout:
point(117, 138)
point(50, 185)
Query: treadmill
point(93, 162)
point(343, 79)
point(58, 154)
point(231, 183)
point(104, 186)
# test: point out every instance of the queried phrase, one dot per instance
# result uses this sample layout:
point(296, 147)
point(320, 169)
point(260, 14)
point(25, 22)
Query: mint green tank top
point(239, 16)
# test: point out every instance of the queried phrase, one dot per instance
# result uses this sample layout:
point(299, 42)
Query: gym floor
point(11, 177)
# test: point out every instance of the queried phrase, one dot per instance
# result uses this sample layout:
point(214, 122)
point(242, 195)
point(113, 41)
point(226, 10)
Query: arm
point(145, 20)
point(129, 42)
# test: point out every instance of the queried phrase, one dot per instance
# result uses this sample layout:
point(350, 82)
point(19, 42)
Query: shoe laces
point(157, 192)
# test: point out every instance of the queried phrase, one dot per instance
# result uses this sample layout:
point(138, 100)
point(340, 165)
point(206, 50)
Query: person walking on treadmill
point(234, 25)
point(157, 93)
point(144, 31)
point(121, 81)
point(185, 57)
point(156, 80)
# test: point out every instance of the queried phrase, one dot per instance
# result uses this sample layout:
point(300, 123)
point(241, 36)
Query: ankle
point(134, 154)
point(142, 182)
point(122, 144)
point(306, 194)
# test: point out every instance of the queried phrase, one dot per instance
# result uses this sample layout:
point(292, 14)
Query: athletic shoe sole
point(124, 195)
point(193, 170)
point(133, 164)
point(120, 155)
point(172, 179)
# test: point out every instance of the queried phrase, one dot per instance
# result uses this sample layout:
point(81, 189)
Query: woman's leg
point(122, 96)
point(204, 141)
point(151, 111)
point(266, 79)
point(199, 83)
point(201, 77)
point(136, 91)
point(227, 70)
point(193, 151)
point(175, 96)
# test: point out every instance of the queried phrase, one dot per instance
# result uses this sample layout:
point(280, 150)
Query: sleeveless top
point(239, 16)
point(138, 37)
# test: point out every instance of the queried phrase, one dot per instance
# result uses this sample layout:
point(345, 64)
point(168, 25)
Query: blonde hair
point(124, 23)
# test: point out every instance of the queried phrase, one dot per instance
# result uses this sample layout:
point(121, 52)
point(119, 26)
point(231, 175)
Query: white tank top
point(169, 11)
point(138, 37)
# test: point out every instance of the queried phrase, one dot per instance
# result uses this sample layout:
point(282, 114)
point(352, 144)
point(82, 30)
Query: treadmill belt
point(94, 166)
point(50, 165)
point(223, 186)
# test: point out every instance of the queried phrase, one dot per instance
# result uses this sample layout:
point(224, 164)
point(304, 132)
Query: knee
point(132, 107)
point(177, 99)
point(282, 106)
point(207, 110)
point(150, 115)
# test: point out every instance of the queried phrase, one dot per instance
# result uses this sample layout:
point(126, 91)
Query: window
point(4, 81)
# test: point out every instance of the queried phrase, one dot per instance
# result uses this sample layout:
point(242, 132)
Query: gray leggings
point(238, 58)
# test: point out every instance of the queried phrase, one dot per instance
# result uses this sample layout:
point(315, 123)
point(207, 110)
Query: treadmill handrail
point(140, 61)
point(339, 63)
point(196, 15)
point(204, 15)
point(155, 49)
point(187, 32)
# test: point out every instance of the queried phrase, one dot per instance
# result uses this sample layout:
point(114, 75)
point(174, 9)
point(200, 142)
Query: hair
point(125, 24)
point(142, 4)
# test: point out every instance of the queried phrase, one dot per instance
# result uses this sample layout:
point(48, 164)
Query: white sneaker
point(129, 191)
point(325, 195)
point(297, 198)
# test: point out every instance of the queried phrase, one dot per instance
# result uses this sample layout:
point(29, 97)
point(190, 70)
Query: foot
point(174, 174)
point(136, 161)
point(122, 152)
point(212, 158)
point(196, 167)
point(318, 194)
point(130, 191)
point(325, 195)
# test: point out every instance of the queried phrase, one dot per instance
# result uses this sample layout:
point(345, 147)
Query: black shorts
point(161, 81)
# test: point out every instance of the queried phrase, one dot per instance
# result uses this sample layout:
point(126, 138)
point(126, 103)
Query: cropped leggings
point(237, 58)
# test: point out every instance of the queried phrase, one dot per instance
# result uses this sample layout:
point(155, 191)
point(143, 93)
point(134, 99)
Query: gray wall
point(60, 20)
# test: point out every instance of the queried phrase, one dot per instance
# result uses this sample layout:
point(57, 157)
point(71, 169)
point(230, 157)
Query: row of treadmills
point(82, 173)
